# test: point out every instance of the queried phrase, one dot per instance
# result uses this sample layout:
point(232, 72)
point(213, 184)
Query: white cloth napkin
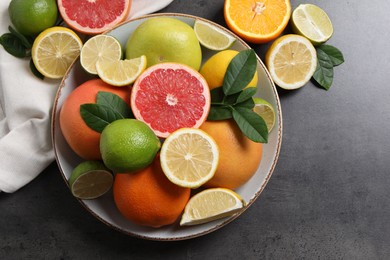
point(25, 110)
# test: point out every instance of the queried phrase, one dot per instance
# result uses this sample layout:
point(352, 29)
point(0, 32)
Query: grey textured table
point(327, 199)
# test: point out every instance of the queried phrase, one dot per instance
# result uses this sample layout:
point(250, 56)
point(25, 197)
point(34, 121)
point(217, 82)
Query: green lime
point(266, 111)
point(90, 180)
point(128, 145)
point(33, 16)
point(312, 22)
point(212, 37)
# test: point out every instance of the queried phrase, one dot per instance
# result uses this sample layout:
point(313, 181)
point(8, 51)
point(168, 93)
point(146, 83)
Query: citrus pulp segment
point(189, 157)
point(169, 96)
point(312, 22)
point(99, 48)
point(54, 50)
point(121, 72)
point(257, 21)
point(93, 17)
point(90, 180)
point(212, 37)
point(266, 111)
point(291, 61)
point(211, 204)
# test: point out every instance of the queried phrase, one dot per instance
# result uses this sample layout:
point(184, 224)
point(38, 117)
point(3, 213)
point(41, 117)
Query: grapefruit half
point(93, 16)
point(169, 96)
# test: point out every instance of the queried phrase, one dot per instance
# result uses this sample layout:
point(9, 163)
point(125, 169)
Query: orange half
point(258, 21)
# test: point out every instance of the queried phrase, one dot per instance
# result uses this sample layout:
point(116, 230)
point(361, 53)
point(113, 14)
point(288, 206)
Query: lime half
point(266, 111)
point(312, 22)
point(212, 37)
point(90, 180)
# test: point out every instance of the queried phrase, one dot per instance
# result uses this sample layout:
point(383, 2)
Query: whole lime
point(30, 17)
point(128, 145)
point(164, 39)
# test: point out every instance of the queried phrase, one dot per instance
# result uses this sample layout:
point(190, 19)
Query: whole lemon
point(214, 69)
point(128, 145)
point(30, 17)
point(163, 39)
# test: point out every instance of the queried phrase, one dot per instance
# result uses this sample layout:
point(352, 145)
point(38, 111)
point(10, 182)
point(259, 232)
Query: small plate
point(104, 208)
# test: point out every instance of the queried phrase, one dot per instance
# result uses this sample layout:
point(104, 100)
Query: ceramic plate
point(104, 208)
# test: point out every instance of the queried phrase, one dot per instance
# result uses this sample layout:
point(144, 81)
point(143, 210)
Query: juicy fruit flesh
point(75, 10)
point(170, 98)
point(92, 184)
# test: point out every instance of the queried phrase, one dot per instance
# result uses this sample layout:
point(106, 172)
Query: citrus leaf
point(13, 45)
point(249, 104)
point(324, 71)
point(246, 94)
point(251, 124)
point(23, 39)
point(98, 116)
point(217, 95)
point(35, 71)
point(114, 102)
point(335, 55)
point(240, 72)
point(219, 113)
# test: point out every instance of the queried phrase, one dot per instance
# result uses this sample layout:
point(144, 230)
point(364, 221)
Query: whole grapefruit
point(239, 157)
point(148, 198)
point(164, 39)
point(83, 140)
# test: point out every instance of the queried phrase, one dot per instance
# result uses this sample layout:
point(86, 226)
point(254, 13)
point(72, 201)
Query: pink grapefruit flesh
point(93, 16)
point(169, 96)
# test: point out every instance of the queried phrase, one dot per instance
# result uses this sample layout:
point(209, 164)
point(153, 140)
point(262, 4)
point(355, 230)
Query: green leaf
point(240, 72)
point(115, 103)
point(324, 71)
point(251, 124)
point(246, 94)
point(98, 116)
point(13, 45)
point(217, 95)
point(23, 39)
point(35, 71)
point(249, 104)
point(220, 113)
point(335, 55)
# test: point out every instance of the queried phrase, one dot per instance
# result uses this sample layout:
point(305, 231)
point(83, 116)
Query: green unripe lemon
point(128, 145)
point(30, 17)
point(163, 39)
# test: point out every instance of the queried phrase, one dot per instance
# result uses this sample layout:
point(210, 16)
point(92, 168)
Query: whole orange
point(83, 140)
point(148, 198)
point(239, 157)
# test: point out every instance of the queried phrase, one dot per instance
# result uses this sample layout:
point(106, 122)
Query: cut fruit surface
point(212, 37)
point(169, 96)
point(54, 50)
point(93, 16)
point(99, 48)
point(291, 61)
point(189, 157)
point(211, 204)
point(266, 111)
point(257, 21)
point(121, 72)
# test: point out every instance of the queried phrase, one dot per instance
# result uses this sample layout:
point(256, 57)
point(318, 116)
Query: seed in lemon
point(128, 145)
point(54, 50)
point(266, 111)
point(312, 22)
point(99, 48)
point(291, 61)
point(211, 204)
point(121, 72)
point(90, 180)
point(189, 157)
point(214, 69)
point(212, 37)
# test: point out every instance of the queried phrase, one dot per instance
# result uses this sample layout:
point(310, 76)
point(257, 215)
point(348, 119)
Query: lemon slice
point(212, 37)
point(54, 50)
point(189, 157)
point(121, 72)
point(266, 111)
point(99, 48)
point(312, 22)
point(90, 180)
point(291, 61)
point(211, 204)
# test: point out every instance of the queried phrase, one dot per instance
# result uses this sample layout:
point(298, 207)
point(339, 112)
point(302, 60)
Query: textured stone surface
point(327, 199)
